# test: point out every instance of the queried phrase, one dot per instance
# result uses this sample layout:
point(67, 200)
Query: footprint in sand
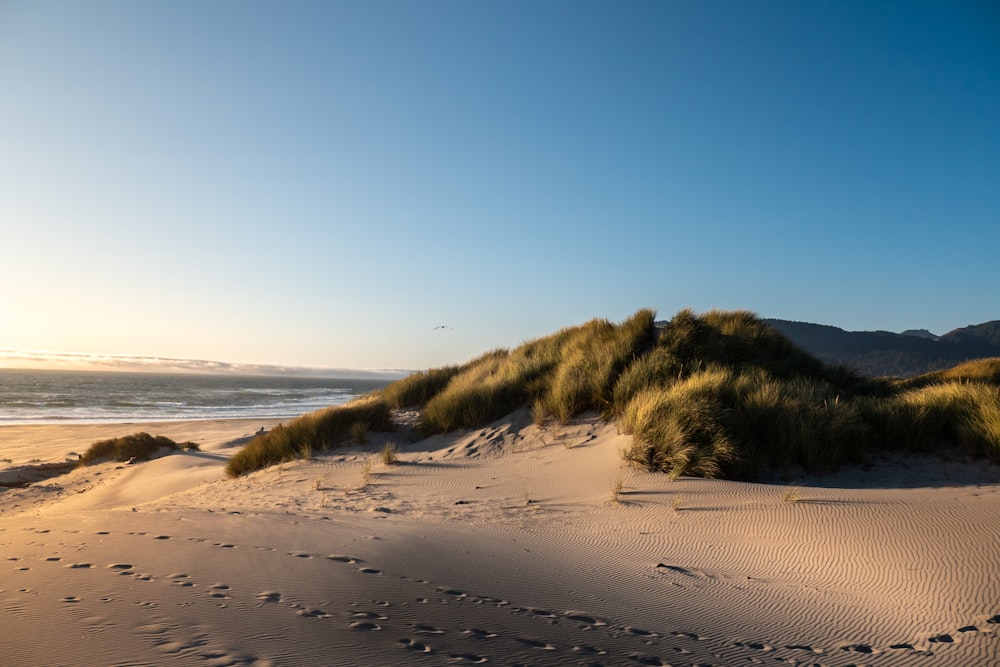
point(585, 620)
point(468, 657)
point(365, 626)
point(424, 629)
point(803, 647)
point(860, 648)
point(79, 566)
point(218, 591)
point(453, 592)
point(344, 559)
point(269, 596)
point(415, 646)
point(646, 634)
point(367, 616)
point(369, 570)
point(477, 633)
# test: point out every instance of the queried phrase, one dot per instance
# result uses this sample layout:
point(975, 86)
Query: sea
point(86, 397)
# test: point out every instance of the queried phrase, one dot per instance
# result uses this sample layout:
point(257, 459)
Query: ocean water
point(55, 397)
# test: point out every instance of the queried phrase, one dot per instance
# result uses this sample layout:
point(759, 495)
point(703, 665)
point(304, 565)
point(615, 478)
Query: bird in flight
point(443, 326)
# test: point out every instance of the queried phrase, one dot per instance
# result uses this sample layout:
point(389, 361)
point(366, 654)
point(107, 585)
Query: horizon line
point(19, 359)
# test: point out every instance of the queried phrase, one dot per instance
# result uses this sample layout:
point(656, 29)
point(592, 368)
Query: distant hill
point(883, 353)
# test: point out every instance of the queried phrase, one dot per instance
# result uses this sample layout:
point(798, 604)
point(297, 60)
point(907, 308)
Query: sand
point(499, 546)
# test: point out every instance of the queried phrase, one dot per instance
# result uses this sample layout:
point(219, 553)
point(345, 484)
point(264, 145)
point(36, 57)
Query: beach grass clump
point(417, 388)
point(490, 387)
point(138, 447)
point(985, 371)
point(732, 422)
point(957, 414)
point(317, 431)
point(591, 361)
point(389, 454)
point(679, 430)
point(561, 375)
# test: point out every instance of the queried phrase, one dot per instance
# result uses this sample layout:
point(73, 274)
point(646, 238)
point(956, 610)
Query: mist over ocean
point(54, 397)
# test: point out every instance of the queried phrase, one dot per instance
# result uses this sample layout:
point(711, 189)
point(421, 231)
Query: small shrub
point(138, 446)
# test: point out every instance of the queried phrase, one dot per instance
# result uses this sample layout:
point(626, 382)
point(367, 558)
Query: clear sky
point(324, 183)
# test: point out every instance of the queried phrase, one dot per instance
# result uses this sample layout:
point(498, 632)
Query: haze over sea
point(55, 397)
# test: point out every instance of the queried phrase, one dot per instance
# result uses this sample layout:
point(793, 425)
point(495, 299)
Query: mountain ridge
point(885, 353)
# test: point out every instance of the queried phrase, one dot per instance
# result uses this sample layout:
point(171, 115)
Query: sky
point(326, 184)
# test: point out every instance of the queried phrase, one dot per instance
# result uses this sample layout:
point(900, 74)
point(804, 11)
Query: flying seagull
point(443, 326)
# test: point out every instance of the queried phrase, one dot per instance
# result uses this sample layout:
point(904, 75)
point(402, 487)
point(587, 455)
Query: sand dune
point(498, 546)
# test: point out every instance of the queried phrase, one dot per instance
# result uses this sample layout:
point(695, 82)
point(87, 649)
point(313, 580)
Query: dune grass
point(317, 431)
point(978, 370)
point(416, 389)
point(561, 375)
point(389, 454)
point(720, 394)
point(138, 446)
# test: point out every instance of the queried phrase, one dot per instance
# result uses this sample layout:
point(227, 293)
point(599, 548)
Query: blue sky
point(322, 184)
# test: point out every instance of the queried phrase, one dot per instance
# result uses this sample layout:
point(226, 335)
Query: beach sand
point(505, 545)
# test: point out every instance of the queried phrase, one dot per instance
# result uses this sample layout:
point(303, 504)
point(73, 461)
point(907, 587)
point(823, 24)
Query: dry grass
point(677, 502)
point(366, 474)
point(720, 394)
point(616, 490)
point(389, 454)
point(316, 431)
point(138, 446)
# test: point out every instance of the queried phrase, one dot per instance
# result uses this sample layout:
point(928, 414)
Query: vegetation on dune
point(316, 431)
point(720, 394)
point(138, 447)
point(416, 389)
point(977, 370)
point(560, 376)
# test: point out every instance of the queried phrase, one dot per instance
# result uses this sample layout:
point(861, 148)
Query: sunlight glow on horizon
point(66, 361)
